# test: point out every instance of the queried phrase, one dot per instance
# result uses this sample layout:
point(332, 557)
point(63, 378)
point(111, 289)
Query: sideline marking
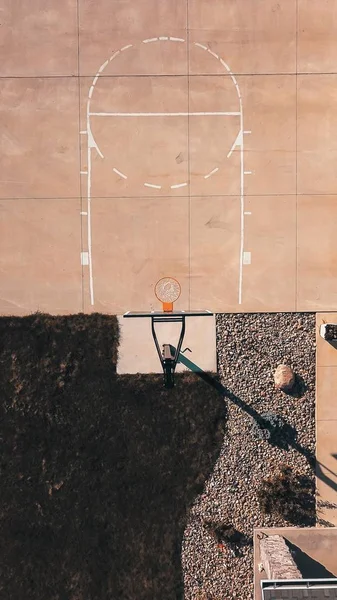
point(83, 213)
point(83, 132)
point(248, 172)
point(248, 213)
point(247, 258)
point(84, 172)
point(119, 173)
point(85, 259)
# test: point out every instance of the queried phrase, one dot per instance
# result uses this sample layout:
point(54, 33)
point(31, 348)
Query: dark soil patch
point(98, 472)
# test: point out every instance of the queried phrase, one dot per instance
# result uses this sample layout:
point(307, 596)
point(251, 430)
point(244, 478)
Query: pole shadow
point(287, 436)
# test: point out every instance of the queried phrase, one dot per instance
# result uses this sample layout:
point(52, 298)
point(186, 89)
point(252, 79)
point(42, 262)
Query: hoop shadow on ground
point(286, 438)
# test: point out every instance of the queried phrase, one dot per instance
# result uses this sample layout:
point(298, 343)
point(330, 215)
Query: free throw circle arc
point(167, 289)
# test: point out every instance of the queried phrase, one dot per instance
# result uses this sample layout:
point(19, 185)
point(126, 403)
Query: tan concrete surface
point(259, 37)
point(326, 424)
point(39, 260)
point(319, 544)
point(231, 188)
point(316, 134)
point(316, 252)
point(215, 251)
point(38, 38)
point(137, 352)
point(266, 282)
point(317, 42)
point(40, 149)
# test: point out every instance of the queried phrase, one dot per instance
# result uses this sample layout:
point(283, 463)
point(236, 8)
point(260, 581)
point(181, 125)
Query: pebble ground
point(249, 348)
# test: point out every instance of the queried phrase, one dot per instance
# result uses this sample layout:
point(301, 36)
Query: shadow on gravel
point(299, 389)
point(284, 438)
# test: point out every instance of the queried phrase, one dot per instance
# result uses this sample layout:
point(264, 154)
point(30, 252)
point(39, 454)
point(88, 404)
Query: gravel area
point(250, 347)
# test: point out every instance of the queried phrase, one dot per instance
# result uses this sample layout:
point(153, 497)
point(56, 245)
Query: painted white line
point(126, 47)
point(248, 131)
point(174, 39)
point(200, 46)
point(91, 278)
point(119, 173)
point(102, 67)
point(83, 213)
point(83, 132)
point(163, 38)
point(238, 142)
point(92, 143)
point(150, 40)
point(248, 213)
point(114, 55)
point(211, 173)
point(98, 150)
point(152, 185)
point(178, 185)
point(247, 258)
point(248, 172)
point(213, 53)
point(84, 172)
point(164, 114)
point(85, 259)
point(242, 204)
point(95, 80)
point(225, 65)
point(91, 91)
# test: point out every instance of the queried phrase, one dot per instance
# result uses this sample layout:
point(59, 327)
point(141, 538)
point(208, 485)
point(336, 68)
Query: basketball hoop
point(167, 290)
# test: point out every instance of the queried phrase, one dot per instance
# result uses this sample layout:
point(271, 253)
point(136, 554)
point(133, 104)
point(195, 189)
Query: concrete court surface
point(184, 138)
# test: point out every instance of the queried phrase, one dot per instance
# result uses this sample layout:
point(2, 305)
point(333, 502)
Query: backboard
point(168, 315)
point(167, 290)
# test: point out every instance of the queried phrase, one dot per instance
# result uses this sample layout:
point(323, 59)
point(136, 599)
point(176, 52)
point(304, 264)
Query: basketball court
point(180, 138)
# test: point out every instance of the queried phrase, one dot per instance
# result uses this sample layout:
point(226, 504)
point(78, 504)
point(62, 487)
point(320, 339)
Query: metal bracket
point(168, 359)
